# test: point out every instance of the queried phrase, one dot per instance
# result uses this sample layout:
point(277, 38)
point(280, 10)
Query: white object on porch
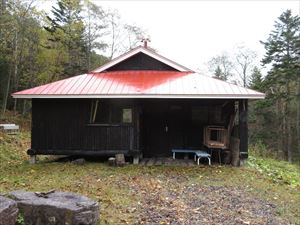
point(198, 154)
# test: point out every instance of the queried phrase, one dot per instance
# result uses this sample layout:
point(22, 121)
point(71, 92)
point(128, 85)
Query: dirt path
point(173, 201)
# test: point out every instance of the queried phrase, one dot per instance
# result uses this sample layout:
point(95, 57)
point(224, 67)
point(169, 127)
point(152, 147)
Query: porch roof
point(140, 84)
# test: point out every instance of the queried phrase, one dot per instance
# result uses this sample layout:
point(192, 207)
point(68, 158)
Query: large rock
point(57, 208)
point(8, 211)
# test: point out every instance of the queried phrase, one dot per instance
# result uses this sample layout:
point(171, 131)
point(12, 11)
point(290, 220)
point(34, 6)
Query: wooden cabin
point(138, 104)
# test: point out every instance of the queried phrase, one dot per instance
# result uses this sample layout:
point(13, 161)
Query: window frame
point(118, 108)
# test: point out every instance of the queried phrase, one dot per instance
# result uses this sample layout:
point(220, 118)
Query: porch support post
point(243, 130)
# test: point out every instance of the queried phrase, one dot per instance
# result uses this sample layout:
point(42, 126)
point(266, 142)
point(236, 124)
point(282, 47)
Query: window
point(99, 112)
point(109, 113)
point(127, 116)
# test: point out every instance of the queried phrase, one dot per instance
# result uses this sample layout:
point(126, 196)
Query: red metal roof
point(139, 84)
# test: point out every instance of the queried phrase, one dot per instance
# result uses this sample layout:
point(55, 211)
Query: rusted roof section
point(140, 84)
point(146, 51)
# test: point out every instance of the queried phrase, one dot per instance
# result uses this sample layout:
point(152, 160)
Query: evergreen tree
point(256, 80)
point(283, 44)
point(67, 33)
point(218, 73)
point(282, 82)
point(96, 27)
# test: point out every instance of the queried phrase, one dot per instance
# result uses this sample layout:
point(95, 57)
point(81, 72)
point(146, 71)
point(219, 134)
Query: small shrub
point(261, 150)
point(20, 219)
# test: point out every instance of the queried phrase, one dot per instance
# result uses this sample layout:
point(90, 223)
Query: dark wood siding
point(140, 61)
point(62, 127)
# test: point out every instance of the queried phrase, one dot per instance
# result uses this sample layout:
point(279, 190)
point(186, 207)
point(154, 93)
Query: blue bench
point(198, 154)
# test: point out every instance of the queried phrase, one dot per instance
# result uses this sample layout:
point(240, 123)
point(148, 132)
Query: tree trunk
point(5, 98)
point(3, 7)
point(283, 136)
point(289, 136)
point(89, 41)
point(245, 76)
point(278, 122)
point(289, 143)
point(112, 48)
point(24, 107)
point(16, 68)
point(6, 94)
point(298, 118)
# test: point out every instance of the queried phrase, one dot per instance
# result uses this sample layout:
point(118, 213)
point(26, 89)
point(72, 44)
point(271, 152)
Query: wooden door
point(156, 140)
point(177, 126)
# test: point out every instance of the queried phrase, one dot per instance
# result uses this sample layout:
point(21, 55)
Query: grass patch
point(13, 148)
point(278, 171)
point(116, 188)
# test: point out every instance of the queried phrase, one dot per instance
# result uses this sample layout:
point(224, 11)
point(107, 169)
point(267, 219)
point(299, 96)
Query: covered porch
point(141, 128)
point(168, 124)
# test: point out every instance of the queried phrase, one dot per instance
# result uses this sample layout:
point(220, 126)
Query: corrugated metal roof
point(140, 84)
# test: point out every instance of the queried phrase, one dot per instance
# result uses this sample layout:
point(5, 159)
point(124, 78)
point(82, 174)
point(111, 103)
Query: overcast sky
point(192, 32)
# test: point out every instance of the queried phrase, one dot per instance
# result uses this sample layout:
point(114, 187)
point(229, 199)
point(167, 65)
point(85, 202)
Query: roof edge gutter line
point(143, 96)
